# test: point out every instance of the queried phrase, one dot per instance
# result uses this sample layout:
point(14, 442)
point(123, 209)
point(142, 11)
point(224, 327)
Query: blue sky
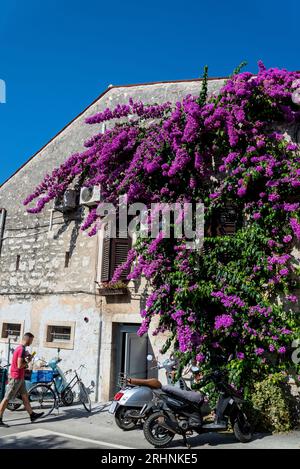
point(56, 57)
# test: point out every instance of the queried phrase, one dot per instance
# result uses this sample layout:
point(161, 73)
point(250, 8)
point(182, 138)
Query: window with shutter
point(228, 219)
point(120, 248)
point(115, 252)
point(222, 223)
point(106, 254)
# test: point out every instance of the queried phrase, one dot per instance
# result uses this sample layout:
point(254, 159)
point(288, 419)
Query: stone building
point(50, 271)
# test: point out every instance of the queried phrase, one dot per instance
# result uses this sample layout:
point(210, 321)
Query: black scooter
point(174, 411)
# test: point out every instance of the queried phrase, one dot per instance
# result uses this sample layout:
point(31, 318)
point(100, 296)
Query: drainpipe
point(98, 366)
point(2, 224)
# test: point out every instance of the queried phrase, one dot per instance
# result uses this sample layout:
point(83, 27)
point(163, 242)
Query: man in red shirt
point(16, 383)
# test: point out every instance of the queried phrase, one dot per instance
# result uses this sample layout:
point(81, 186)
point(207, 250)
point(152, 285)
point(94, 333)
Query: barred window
point(11, 330)
point(58, 334)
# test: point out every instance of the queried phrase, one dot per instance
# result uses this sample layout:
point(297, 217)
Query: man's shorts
point(15, 387)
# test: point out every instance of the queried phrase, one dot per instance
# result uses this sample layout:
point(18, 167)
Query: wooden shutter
point(119, 251)
point(114, 253)
point(223, 222)
point(106, 254)
point(227, 221)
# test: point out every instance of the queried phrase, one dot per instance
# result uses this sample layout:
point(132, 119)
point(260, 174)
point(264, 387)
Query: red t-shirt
point(15, 372)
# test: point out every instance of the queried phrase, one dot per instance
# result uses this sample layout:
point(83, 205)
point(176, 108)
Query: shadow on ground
point(49, 441)
point(213, 439)
point(17, 417)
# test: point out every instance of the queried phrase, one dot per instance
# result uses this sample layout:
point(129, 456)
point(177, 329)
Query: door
point(135, 357)
point(130, 353)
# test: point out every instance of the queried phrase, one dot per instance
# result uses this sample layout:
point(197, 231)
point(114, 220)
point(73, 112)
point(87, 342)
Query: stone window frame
point(69, 344)
point(10, 321)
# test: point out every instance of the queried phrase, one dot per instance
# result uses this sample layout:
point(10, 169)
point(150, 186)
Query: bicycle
point(47, 397)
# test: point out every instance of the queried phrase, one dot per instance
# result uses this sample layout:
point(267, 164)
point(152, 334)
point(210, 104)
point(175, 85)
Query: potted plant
point(113, 288)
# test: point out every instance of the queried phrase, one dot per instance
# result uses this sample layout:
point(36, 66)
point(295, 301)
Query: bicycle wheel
point(67, 397)
point(42, 398)
point(84, 397)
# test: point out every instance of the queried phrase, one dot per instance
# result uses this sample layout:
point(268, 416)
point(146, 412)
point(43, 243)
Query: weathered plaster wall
point(38, 312)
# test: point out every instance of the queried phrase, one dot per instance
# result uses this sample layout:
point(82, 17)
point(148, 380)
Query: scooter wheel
point(155, 434)
point(123, 420)
point(242, 431)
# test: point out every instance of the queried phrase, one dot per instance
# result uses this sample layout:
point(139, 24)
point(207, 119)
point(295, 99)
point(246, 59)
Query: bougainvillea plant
point(234, 302)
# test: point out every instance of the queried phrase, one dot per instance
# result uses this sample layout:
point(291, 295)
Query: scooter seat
point(150, 383)
point(191, 396)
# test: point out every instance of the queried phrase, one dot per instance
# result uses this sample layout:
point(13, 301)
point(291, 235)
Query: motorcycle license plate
point(113, 407)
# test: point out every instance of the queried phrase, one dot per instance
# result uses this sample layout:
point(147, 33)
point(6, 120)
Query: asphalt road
point(74, 428)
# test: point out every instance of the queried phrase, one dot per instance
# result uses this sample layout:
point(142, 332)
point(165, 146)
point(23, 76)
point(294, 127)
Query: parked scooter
point(136, 393)
point(174, 411)
point(59, 377)
point(61, 383)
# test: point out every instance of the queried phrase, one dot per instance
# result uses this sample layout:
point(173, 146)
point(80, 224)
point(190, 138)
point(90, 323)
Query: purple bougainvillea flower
point(200, 357)
point(290, 207)
point(223, 321)
point(292, 298)
point(287, 238)
point(284, 330)
point(241, 191)
point(284, 272)
point(295, 227)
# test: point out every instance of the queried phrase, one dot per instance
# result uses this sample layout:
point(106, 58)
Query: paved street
point(75, 428)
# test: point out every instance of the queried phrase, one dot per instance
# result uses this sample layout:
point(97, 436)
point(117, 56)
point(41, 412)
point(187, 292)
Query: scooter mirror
point(149, 358)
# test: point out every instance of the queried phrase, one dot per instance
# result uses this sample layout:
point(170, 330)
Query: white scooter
point(135, 393)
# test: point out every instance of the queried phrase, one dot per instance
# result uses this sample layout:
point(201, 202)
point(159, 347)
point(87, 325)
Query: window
point(60, 335)
point(11, 330)
point(114, 253)
point(223, 222)
point(228, 221)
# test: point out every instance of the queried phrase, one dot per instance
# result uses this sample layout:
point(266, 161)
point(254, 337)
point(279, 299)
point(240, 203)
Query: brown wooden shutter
point(119, 251)
point(106, 255)
point(228, 220)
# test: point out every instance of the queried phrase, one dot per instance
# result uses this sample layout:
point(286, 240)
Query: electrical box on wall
point(66, 202)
